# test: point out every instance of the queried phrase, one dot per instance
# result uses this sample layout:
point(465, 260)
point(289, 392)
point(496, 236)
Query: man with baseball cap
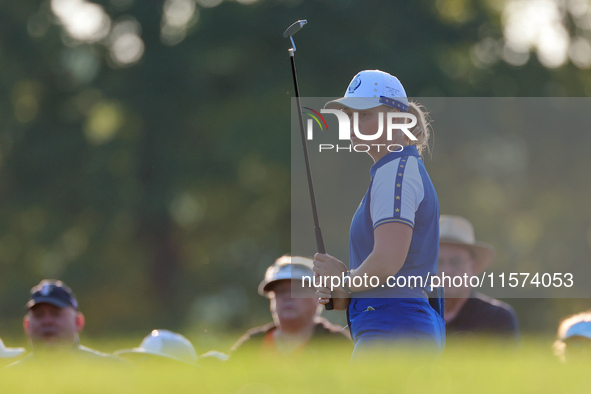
point(297, 326)
point(53, 323)
point(467, 311)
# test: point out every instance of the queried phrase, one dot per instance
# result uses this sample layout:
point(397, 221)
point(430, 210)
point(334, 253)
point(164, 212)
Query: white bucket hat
point(456, 230)
point(9, 352)
point(370, 89)
point(164, 343)
point(286, 267)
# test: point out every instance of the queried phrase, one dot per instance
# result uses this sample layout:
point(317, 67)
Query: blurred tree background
point(145, 151)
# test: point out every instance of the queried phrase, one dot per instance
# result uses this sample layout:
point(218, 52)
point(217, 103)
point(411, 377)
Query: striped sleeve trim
point(394, 220)
point(398, 186)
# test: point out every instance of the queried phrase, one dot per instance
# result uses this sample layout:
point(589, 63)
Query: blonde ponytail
point(423, 128)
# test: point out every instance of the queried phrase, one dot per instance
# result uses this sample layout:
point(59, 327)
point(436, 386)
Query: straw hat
point(456, 230)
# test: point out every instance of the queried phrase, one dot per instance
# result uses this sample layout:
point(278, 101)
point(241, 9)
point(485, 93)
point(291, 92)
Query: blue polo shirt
point(400, 192)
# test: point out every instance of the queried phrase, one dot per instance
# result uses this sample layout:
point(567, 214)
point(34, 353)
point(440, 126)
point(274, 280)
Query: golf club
point(291, 30)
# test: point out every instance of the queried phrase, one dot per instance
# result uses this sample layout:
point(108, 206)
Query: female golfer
point(394, 234)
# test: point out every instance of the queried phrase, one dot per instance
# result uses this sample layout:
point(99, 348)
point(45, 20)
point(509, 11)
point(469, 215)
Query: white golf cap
point(8, 352)
point(370, 89)
point(164, 343)
point(580, 329)
point(286, 267)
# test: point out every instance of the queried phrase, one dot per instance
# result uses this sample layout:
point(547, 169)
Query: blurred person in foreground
point(468, 312)
point(9, 354)
point(574, 337)
point(162, 346)
point(297, 327)
point(53, 324)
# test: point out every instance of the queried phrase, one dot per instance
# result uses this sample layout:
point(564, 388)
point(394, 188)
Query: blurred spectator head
point(52, 320)
point(294, 305)
point(573, 338)
point(162, 345)
point(460, 253)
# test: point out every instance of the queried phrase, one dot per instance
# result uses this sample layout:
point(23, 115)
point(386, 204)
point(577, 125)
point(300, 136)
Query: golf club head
point(294, 28)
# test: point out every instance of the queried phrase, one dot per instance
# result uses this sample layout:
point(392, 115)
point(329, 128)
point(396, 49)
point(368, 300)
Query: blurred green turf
point(465, 367)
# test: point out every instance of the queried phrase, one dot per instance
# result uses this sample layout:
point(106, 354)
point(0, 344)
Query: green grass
point(465, 367)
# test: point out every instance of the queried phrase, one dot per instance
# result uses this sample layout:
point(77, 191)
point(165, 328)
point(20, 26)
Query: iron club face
point(294, 28)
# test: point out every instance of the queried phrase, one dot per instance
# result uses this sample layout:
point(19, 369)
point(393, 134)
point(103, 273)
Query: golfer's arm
point(391, 244)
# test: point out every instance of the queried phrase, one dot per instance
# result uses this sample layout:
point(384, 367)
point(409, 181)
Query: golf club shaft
point(317, 231)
